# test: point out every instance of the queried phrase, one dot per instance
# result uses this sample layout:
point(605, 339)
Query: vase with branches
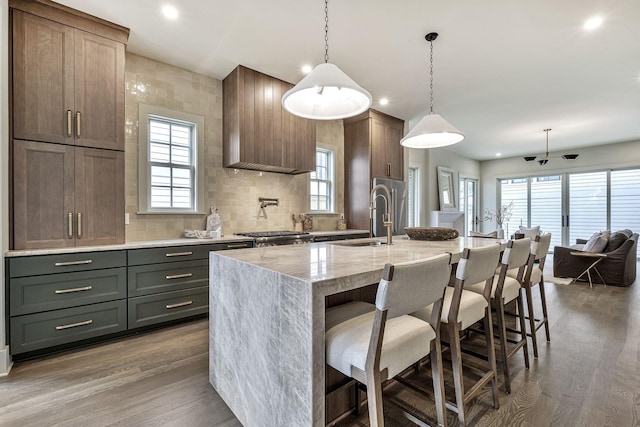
point(500, 216)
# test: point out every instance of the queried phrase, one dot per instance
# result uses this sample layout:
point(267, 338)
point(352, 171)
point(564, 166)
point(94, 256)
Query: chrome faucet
point(388, 210)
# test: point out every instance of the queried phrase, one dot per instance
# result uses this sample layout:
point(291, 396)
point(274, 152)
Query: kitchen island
point(267, 314)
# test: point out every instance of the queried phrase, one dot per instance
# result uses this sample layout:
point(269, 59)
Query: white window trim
point(332, 181)
point(417, 200)
point(144, 194)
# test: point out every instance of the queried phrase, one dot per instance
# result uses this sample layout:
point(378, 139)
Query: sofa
point(618, 268)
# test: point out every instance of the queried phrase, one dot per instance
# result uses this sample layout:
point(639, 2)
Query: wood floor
point(589, 375)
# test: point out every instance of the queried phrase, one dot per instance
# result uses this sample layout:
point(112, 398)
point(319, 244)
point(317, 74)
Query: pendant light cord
point(431, 79)
point(326, 31)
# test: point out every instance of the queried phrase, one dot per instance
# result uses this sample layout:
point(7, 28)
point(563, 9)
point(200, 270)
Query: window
point(170, 162)
point(413, 197)
point(321, 191)
point(468, 205)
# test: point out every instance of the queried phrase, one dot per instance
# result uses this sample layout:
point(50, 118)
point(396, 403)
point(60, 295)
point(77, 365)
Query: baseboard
point(5, 362)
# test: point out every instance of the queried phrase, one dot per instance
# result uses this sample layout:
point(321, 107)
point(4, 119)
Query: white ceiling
point(503, 70)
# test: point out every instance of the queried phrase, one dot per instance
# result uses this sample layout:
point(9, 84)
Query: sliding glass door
point(468, 203)
point(574, 205)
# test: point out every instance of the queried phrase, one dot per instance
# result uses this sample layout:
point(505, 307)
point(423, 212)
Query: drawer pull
point(74, 325)
point(179, 304)
point(238, 245)
point(179, 254)
point(67, 291)
point(67, 263)
point(179, 276)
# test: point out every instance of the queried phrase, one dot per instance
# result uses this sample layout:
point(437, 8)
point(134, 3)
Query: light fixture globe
point(432, 131)
point(326, 93)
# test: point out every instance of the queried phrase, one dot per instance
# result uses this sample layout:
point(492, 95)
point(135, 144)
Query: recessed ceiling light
point(384, 101)
point(307, 69)
point(592, 23)
point(170, 12)
point(498, 154)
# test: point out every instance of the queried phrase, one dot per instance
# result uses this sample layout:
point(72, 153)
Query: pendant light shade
point(432, 130)
point(326, 93)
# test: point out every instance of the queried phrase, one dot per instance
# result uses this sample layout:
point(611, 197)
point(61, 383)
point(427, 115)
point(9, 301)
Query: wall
point(5, 363)
point(619, 155)
point(234, 192)
point(428, 161)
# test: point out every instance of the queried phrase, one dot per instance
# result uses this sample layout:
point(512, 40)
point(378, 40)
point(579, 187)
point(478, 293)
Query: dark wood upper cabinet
point(258, 133)
point(372, 150)
point(68, 84)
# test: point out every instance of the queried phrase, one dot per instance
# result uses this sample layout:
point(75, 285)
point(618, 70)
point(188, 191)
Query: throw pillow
point(530, 232)
point(596, 243)
point(615, 241)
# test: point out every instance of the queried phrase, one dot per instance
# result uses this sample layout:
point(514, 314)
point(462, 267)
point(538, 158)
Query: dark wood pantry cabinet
point(67, 128)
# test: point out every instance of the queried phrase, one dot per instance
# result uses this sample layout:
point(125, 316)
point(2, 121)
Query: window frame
point(331, 181)
point(147, 113)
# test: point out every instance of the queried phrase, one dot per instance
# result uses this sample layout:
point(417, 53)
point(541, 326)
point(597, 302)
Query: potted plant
point(500, 216)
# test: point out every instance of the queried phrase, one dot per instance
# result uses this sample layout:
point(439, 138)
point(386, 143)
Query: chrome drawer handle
point(64, 264)
point(74, 325)
point(238, 245)
point(179, 304)
point(66, 291)
point(179, 254)
point(179, 276)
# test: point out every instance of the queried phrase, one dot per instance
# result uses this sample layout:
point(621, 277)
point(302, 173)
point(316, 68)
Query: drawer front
point(152, 309)
point(65, 263)
point(234, 245)
point(176, 253)
point(42, 330)
point(54, 291)
point(170, 276)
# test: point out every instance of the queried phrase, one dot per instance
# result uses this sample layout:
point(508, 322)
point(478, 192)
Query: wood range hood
point(258, 133)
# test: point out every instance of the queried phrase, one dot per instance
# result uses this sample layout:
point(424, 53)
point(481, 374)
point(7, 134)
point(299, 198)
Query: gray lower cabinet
point(61, 299)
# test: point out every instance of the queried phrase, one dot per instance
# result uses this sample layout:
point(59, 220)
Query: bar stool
point(506, 289)
point(534, 275)
point(461, 309)
point(377, 345)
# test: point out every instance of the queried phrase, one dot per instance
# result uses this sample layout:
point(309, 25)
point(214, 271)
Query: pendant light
point(326, 93)
point(545, 160)
point(433, 130)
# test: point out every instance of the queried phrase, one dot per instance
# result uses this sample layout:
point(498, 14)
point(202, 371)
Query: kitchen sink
point(359, 243)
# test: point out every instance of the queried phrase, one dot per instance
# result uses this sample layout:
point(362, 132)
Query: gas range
point(276, 238)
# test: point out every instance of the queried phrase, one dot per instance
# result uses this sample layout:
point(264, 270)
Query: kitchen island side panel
point(261, 345)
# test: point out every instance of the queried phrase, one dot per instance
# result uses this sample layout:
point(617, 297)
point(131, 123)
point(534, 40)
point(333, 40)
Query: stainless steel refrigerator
point(398, 191)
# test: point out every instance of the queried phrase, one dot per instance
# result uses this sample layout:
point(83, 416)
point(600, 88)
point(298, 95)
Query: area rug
point(558, 280)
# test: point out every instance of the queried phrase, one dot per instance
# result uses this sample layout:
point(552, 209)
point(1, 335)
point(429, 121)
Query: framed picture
point(447, 189)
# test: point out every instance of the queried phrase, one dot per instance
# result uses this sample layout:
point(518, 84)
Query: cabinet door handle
point(67, 263)
point(79, 225)
point(78, 124)
point(179, 254)
point(70, 221)
point(388, 169)
point(238, 245)
point(178, 276)
point(70, 290)
point(74, 325)
point(69, 123)
point(180, 304)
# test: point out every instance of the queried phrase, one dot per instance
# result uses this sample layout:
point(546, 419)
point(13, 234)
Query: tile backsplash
point(234, 192)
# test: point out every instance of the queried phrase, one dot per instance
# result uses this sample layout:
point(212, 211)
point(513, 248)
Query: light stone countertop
point(337, 232)
point(127, 245)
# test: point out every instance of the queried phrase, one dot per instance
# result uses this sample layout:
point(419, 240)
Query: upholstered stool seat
point(510, 291)
point(472, 308)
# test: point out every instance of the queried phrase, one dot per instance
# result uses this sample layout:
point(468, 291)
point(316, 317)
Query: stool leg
point(543, 299)
point(437, 375)
point(374, 396)
point(491, 351)
point(523, 329)
point(499, 306)
point(532, 320)
point(456, 364)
